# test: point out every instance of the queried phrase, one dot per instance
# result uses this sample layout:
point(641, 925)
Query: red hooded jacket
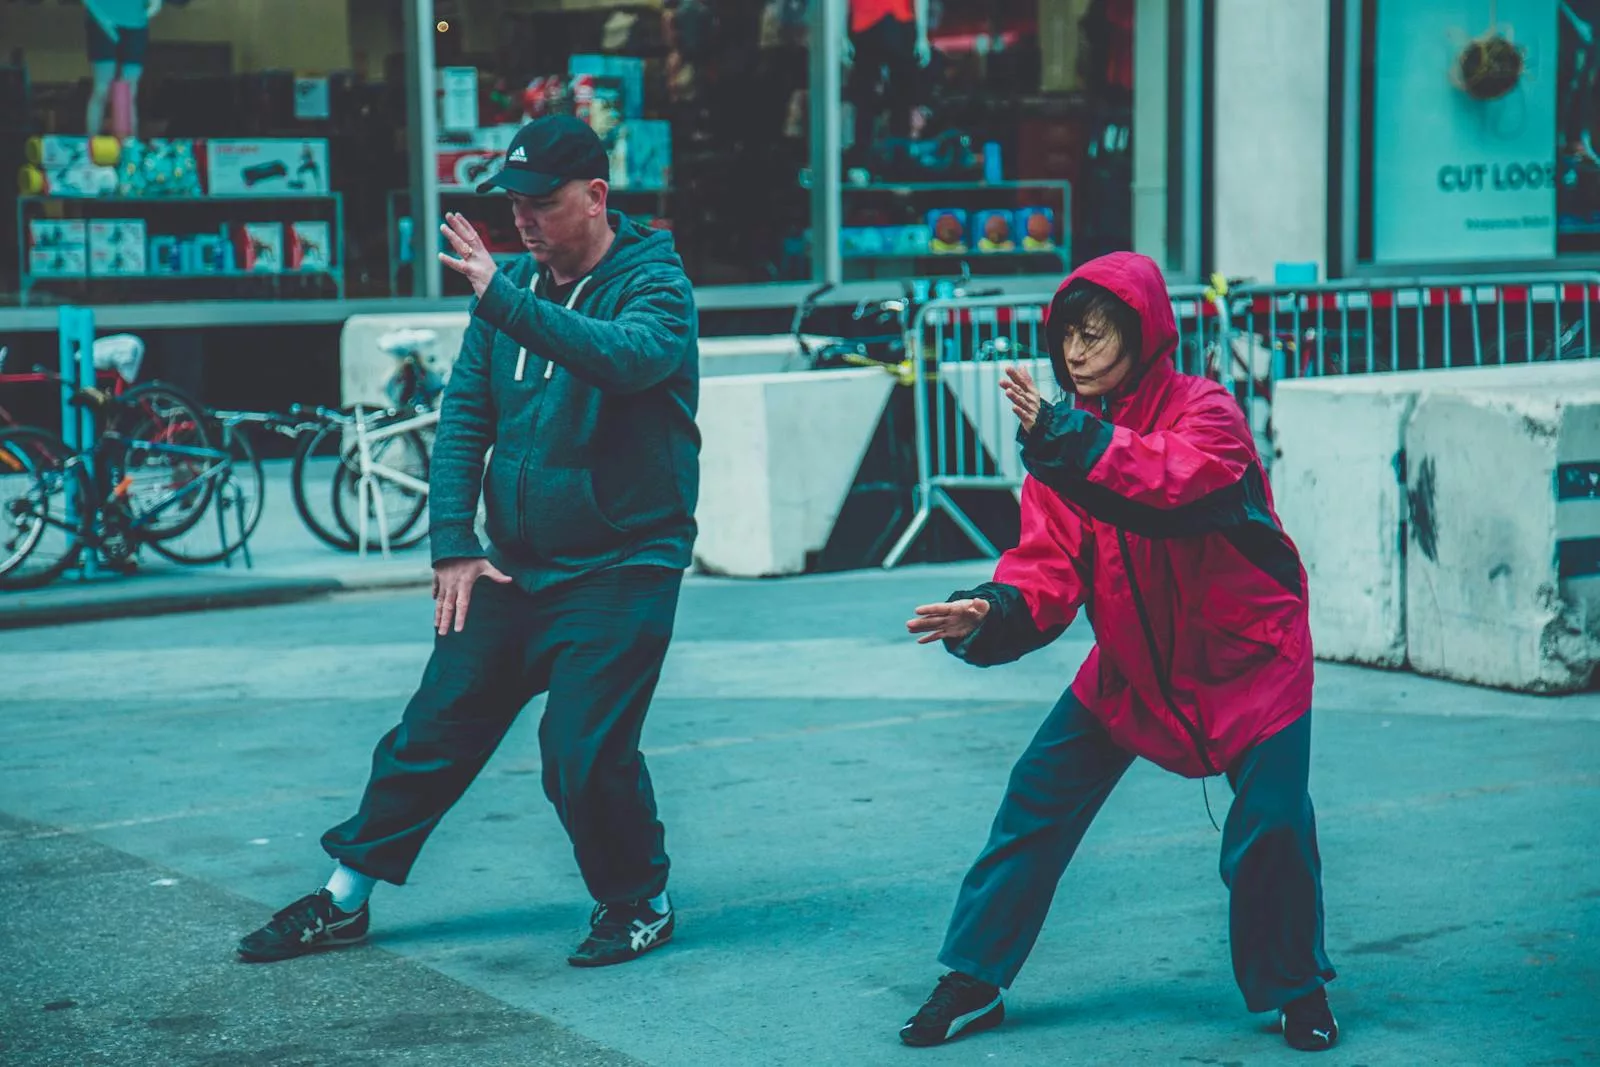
point(1150, 510)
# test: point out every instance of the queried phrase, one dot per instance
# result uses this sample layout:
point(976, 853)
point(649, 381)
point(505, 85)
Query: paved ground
point(824, 785)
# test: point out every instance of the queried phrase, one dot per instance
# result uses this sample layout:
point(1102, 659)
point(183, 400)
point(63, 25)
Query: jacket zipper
point(549, 370)
point(1163, 678)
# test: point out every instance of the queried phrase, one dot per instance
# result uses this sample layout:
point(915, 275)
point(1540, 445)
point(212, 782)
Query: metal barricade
point(1420, 324)
point(1247, 337)
point(965, 430)
point(1275, 333)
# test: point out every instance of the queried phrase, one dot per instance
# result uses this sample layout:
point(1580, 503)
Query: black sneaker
point(310, 924)
point(959, 1003)
point(622, 932)
point(1308, 1023)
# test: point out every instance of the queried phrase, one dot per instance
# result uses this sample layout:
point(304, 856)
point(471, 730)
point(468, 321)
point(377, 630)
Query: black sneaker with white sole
point(959, 1003)
point(622, 932)
point(1308, 1023)
point(310, 924)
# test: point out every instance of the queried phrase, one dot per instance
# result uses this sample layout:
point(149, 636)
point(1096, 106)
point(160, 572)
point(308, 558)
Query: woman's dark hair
point(1083, 303)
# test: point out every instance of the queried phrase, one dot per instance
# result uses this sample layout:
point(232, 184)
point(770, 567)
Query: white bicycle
point(388, 492)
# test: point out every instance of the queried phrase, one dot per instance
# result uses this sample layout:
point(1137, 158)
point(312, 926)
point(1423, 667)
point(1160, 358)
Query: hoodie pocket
point(500, 500)
point(564, 519)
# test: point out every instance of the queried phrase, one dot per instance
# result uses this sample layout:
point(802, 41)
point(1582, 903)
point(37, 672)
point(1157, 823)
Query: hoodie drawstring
point(522, 353)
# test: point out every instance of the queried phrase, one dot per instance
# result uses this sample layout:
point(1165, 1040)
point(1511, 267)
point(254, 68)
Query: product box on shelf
point(50, 234)
point(165, 255)
point(867, 241)
point(310, 246)
point(466, 157)
point(199, 253)
point(261, 246)
point(857, 241)
point(996, 231)
point(276, 167)
point(209, 253)
point(1038, 228)
point(628, 71)
point(949, 226)
point(158, 168)
point(59, 165)
point(601, 101)
point(117, 246)
point(641, 159)
point(907, 240)
point(59, 262)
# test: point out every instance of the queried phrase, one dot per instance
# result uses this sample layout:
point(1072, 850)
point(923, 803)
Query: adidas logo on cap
point(518, 155)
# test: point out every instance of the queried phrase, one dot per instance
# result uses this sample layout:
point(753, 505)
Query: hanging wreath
point(1489, 65)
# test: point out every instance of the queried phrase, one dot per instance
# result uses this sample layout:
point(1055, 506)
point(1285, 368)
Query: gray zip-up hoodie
point(591, 414)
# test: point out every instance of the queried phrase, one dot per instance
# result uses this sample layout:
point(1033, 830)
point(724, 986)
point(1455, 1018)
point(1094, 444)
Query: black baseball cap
point(549, 152)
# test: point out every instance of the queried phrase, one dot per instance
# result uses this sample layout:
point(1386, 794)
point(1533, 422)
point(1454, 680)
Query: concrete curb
point(178, 591)
point(55, 606)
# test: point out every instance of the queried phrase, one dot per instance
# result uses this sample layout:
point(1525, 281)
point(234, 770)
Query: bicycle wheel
point(319, 454)
point(38, 473)
point(403, 507)
point(235, 506)
point(165, 471)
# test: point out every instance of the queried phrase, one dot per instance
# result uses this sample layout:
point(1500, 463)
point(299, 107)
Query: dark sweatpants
point(1269, 857)
point(596, 645)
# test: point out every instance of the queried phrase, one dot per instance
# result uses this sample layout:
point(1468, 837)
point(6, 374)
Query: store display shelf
point(912, 188)
point(227, 198)
point(665, 191)
point(876, 257)
point(185, 275)
point(87, 213)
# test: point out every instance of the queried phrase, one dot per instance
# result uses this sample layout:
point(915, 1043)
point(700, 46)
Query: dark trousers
point(1269, 857)
point(596, 646)
point(886, 57)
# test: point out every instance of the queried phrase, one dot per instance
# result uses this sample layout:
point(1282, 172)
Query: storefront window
point(990, 134)
point(702, 103)
point(204, 150)
point(1480, 128)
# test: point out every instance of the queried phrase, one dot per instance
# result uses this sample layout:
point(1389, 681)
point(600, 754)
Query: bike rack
point(75, 331)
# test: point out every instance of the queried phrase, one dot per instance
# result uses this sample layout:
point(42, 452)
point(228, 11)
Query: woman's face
point(1096, 360)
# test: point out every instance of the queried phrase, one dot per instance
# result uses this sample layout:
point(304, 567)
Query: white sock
point(660, 904)
point(349, 889)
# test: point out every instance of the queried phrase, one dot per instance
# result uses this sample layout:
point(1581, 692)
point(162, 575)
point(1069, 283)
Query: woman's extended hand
point(949, 621)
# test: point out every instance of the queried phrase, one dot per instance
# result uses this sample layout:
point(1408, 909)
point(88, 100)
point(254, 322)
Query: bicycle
point(117, 359)
point(149, 477)
point(371, 474)
point(401, 458)
point(335, 437)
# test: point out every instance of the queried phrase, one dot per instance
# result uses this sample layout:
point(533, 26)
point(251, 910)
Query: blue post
point(76, 338)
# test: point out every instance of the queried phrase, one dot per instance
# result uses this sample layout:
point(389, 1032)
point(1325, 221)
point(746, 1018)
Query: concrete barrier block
point(779, 453)
point(1338, 444)
point(1503, 563)
point(365, 369)
point(1337, 488)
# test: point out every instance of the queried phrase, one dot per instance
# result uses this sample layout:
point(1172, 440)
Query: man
point(580, 367)
point(1145, 504)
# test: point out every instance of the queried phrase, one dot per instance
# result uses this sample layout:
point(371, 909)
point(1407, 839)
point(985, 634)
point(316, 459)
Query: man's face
point(558, 223)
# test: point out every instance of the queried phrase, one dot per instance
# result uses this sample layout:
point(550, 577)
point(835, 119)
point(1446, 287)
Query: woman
point(1146, 505)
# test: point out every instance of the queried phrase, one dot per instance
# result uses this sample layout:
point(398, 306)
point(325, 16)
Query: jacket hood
point(636, 246)
point(1137, 282)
